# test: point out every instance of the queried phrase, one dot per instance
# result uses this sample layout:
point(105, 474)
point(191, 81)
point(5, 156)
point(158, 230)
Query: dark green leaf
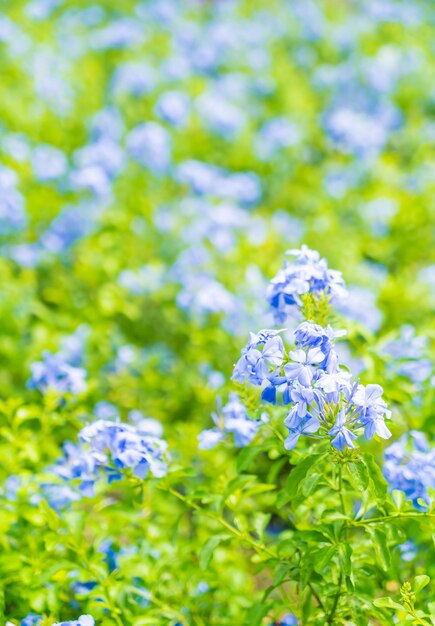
point(296, 478)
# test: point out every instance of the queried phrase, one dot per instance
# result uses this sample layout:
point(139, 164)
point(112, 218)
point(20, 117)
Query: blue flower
point(133, 78)
point(410, 467)
point(234, 420)
point(302, 367)
point(333, 385)
point(309, 274)
point(173, 107)
point(221, 117)
point(342, 435)
point(48, 163)
point(408, 551)
point(306, 427)
point(53, 372)
point(119, 446)
point(372, 408)
point(255, 365)
point(150, 145)
point(301, 397)
point(276, 134)
point(83, 588)
point(31, 620)
point(12, 206)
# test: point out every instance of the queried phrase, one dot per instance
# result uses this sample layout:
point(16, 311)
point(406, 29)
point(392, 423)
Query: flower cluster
point(111, 446)
point(308, 274)
point(235, 420)
point(410, 467)
point(61, 372)
point(55, 373)
point(322, 397)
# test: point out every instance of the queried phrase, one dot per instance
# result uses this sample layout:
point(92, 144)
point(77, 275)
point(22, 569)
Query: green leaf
point(380, 547)
point(310, 484)
point(247, 455)
point(387, 603)
point(360, 475)
point(420, 582)
point(256, 614)
point(296, 478)
point(323, 557)
point(208, 549)
point(377, 481)
point(345, 555)
point(260, 522)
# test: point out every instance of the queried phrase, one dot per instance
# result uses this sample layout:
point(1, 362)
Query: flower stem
point(258, 547)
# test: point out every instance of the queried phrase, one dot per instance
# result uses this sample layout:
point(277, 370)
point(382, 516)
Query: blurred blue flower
point(173, 107)
point(12, 205)
point(48, 163)
point(55, 373)
point(235, 420)
point(150, 145)
point(133, 78)
point(410, 467)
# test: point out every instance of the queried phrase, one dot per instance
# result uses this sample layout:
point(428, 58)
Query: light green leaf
point(380, 547)
point(360, 475)
point(377, 481)
point(420, 582)
point(387, 603)
point(208, 549)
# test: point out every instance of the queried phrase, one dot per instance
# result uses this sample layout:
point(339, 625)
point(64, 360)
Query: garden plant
point(217, 263)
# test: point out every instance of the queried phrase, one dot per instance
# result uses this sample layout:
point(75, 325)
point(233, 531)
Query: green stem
point(378, 520)
point(331, 616)
point(152, 598)
point(258, 547)
point(316, 595)
point(340, 489)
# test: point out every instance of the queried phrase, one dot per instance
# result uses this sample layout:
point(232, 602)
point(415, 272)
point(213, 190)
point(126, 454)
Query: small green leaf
point(377, 481)
point(380, 547)
point(247, 455)
point(387, 603)
point(208, 549)
point(420, 582)
point(360, 475)
point(296, 478)
point(256, 614)
point(345, 554)
point(323, 557)
point(260, 522)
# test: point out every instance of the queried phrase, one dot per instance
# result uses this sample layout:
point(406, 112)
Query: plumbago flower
point(410, 467)
point(233, 420)
point(108, 447)
point(55, 373)
point(61, 372)
point(308, 274)
point(322, 397)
